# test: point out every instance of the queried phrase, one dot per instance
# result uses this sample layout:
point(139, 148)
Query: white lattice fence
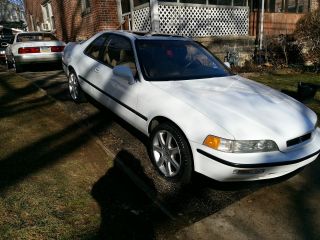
point(196, 20)
point(141, 19)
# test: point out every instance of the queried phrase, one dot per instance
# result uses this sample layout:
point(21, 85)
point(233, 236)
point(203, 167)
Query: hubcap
point(73, 86)
point(166, 153)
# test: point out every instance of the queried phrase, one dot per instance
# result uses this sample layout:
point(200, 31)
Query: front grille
point(298, 140)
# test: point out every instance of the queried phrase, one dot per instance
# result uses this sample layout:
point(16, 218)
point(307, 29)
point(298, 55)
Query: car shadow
point(43, 67)
point(106, 113)
point(127, 210)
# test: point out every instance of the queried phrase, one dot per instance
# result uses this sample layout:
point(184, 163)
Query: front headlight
point(240, 146)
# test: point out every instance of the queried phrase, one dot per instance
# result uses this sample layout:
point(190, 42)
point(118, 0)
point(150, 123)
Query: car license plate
point(45, 49)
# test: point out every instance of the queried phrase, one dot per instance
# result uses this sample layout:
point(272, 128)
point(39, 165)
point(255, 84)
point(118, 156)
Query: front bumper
point(226, 167)
point(38, 58)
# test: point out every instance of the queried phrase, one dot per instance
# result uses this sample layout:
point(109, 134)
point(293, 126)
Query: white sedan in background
point(33, 48)
point(199, 116)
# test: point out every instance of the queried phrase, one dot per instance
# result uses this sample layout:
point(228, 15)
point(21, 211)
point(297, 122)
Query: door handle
point(97, 69)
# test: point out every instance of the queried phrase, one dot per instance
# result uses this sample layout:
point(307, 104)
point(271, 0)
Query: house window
point(194, 1)
point(139, 2)
point(86, 7)
point(288, 6)
point(239, 2)
point(221, 2)
point(167, 0)
point(297, 6)
point(48, 18)
point(125, 6)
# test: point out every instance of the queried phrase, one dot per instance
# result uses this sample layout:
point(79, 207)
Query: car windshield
point(167, 60)
point(31, 37)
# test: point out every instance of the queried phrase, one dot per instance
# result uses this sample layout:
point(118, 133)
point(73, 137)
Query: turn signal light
point(212, 142)
point(57, 48)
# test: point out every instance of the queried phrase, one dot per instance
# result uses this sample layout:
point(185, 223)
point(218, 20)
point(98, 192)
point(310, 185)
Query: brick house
point(72, 19)
point(79, 19)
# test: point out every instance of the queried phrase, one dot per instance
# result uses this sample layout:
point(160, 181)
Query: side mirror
point(4, 44)
point(124, 72)
point(227, 64)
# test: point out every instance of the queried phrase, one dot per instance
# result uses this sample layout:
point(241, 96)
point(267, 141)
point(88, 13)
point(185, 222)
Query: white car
point(198, 115)
point(33, 47)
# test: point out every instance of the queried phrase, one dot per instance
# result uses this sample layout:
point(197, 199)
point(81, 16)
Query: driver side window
point(118, 51)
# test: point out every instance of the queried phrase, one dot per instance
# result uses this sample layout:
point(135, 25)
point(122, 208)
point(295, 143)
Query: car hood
point(246, 109)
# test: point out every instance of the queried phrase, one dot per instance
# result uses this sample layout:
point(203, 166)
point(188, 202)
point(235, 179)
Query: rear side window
point(36, 37)
point(94, 48)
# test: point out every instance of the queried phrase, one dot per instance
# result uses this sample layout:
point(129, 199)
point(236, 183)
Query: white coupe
point(199, 116)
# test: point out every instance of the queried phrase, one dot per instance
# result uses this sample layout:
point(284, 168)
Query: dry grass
point(47, 170)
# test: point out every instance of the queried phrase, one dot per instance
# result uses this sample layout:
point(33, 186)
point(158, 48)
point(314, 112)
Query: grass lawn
point(286, 80)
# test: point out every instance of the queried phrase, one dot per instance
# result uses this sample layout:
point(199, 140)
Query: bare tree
point(20, 10)
point(308, 35)
point(19, 3)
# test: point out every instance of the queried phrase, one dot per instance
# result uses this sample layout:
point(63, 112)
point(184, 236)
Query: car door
point(91, 78)
point(123, 96)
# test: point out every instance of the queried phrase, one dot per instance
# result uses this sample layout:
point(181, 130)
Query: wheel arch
point(156, 121)
point(71, 69)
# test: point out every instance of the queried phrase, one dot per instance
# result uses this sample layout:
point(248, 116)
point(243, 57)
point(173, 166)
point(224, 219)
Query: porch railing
point(194, 20)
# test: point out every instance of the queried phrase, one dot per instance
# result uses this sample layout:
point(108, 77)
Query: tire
point(75, 90)
point(18, 68)
point(9, 64)
point(170, 153)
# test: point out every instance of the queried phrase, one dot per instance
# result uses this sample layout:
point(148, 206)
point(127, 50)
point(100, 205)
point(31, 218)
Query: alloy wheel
point(73, 86)
point(166, 153)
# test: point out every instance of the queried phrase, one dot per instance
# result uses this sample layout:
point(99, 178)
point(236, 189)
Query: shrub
point(281, 51)
point(308, 37)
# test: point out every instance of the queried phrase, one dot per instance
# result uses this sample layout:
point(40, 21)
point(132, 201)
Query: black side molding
point(114, 99)
point(258, 165)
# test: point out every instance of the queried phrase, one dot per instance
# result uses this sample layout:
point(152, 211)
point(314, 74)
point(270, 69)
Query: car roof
point(148, 35)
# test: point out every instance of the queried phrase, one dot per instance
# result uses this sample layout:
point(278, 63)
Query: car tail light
point(29, 50)
point(57, 48)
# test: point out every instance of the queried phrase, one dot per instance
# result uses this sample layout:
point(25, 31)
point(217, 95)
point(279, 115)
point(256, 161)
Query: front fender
point(193, 124)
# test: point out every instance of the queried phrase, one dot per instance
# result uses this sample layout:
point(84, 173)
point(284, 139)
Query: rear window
point(36, 37)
